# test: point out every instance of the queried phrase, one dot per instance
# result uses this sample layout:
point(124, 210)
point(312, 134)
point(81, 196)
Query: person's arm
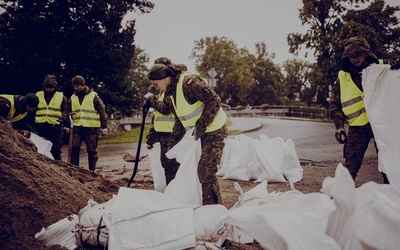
point(5, 106)
point(335, 107)
point(196, 89)
point(164, 107)
point(101, 109)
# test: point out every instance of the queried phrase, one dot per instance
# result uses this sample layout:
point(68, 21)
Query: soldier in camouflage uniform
point(347, 103)
point(90, 119)
point(163, 122)
point(195, 105)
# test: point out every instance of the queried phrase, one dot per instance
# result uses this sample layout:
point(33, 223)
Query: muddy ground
point(37, 191)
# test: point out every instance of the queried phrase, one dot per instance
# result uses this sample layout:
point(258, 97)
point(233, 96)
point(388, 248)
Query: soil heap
point(37, 191)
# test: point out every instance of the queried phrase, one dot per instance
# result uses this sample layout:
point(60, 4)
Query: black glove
point(341, 136)
point(198, 132)
point(395, 63)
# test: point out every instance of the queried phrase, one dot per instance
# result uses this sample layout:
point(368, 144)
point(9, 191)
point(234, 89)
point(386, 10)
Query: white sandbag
point(298, 223)
point(148, 219)
point(238, 159)
point(378, 216)
point(366, 217)
point(209, 229)
point(381, 96)
point(270, 154)
point(291, 167)
point(156, 168)
point(186, 187)
point(43, 145)
point(91, 203)
point(63, 233)
point(341, 225)
point(93, 228)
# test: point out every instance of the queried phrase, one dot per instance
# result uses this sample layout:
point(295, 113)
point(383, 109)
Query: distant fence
point(271, 110)
point(280, 110)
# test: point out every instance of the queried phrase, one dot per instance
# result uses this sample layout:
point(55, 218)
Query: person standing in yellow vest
point(90, 120)
point(20, 111)
point(197, 106)
point(52, 114)
point(163, 123)
point(347, 103)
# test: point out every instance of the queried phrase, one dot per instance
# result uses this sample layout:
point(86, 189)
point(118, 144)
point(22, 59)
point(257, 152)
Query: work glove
point(341, 136)
point(198, 132)
point(395, 63)
point(103, 131)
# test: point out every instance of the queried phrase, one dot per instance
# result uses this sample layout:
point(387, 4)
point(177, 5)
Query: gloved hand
point(395, 63)
point(341, 136)
point(198, 132)
point(148, 95)
point(103, 131)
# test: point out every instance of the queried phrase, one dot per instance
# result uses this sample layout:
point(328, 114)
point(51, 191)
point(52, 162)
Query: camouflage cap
point(158, 72)
point(163, 60)
point(78, 80)
point(357, 46)
point(50, 80)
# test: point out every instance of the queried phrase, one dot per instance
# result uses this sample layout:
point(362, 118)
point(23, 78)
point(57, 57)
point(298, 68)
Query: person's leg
point(355, 147)
point(91, 139)
point(56, 138)
point(212, 148)
point(76, 145)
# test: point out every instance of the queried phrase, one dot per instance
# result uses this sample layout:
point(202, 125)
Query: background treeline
point(91, 38)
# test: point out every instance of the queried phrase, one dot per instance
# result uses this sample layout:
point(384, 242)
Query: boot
point(385, 179)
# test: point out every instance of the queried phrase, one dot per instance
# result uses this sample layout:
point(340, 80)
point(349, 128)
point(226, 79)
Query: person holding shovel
point(195, 105)
point(89, 121)
point(163, 124)
point(52, 115)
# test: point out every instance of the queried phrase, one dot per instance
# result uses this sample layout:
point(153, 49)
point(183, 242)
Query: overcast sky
point(171, 28)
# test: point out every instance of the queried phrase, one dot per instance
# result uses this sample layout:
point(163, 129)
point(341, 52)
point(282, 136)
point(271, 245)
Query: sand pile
point(37, 191)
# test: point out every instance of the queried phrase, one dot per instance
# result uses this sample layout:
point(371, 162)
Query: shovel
point(145, 109)
point(71, 134)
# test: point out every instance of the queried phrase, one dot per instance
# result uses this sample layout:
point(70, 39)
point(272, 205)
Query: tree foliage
point(242, 78)
point(333, 21)
point(66, 38)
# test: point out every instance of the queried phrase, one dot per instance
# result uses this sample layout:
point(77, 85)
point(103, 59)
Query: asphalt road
point(314, 142)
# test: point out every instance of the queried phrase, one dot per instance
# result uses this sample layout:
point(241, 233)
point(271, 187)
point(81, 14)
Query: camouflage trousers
point(212, 145)
point(91, 137)
point(355, 148)
point(54, 134)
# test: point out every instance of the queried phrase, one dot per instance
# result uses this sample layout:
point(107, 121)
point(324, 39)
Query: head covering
point(78, 80)
point(31, 100)
point(163, 60)
point(50, 80)
point(158, 72)
point(354, 47)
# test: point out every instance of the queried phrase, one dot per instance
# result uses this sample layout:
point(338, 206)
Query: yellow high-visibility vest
point(12, 111)
point(188, 114)
point(352, 99)
point(163, 123)
point(85, 114)
point(51, 112)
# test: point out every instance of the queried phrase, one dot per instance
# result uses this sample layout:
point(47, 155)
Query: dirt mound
point(37, 191)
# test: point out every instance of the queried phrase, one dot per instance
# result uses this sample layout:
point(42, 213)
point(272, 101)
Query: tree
point(68, 38)
point(296, 79)
point(333, 21)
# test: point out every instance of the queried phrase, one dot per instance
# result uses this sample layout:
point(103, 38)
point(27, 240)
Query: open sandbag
point(156, 168)
point(381, 96)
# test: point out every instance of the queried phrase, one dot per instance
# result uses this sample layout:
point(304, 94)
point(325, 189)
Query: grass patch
point(126, 136)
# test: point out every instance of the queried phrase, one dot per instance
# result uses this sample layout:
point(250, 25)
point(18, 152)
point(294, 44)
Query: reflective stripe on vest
point(163, 123)
point(12, 111)
point(51, 112)
point(352, 99)
point(85, 114)
point(188, 114)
